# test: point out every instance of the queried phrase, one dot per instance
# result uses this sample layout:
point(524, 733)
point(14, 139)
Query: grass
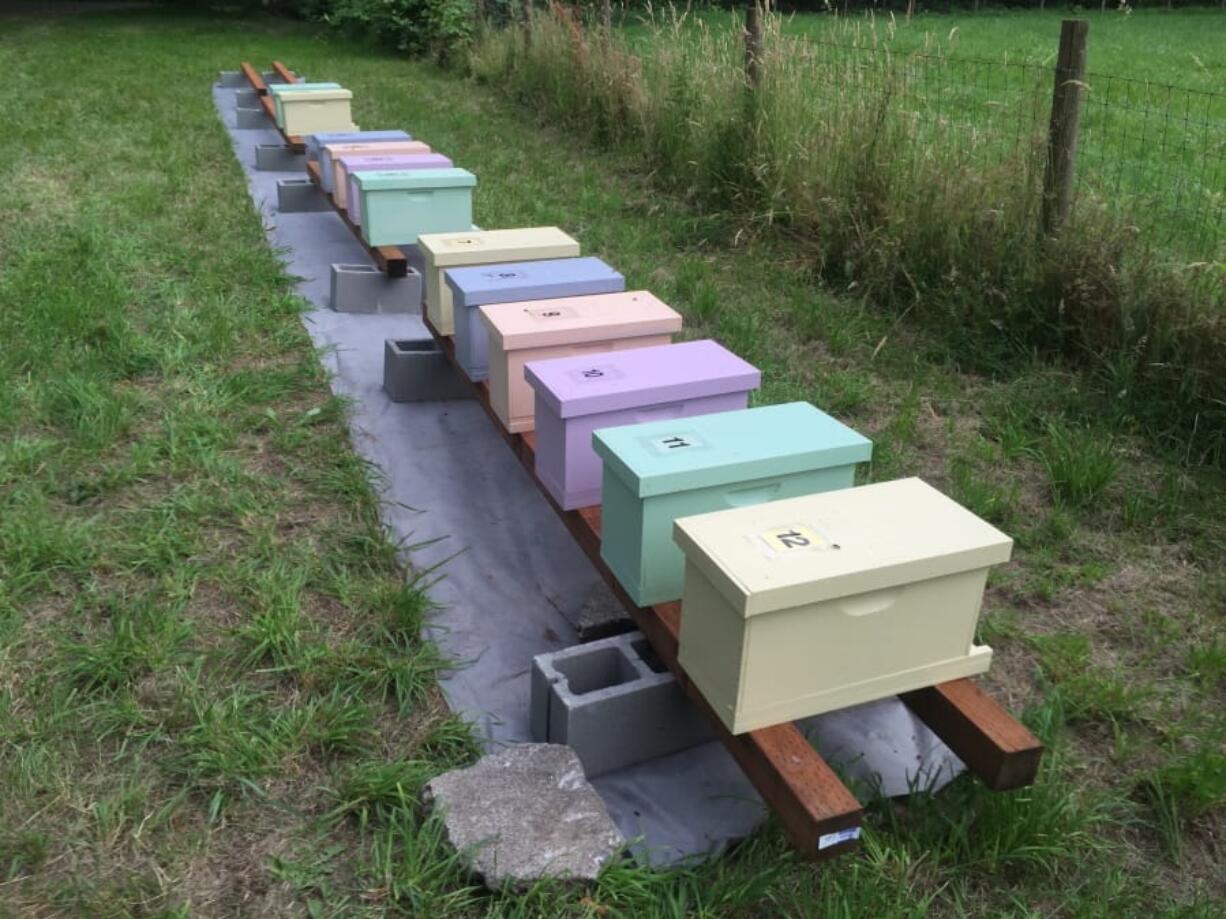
point(213, 700)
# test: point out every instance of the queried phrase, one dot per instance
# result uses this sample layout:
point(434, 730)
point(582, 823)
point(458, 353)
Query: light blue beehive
point(279, 89)
point(399, 205)
point(662, 470)
point(514, 282)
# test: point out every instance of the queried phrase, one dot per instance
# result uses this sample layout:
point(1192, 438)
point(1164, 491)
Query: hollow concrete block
point(366, 289)
point(419, 371)
point(250, 119)
point(246, 98)
point(614, 703)
point(231, 78)
point(277, 158)
point(299, 195)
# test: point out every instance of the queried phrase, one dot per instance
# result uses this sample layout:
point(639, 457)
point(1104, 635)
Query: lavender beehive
point(578, 395)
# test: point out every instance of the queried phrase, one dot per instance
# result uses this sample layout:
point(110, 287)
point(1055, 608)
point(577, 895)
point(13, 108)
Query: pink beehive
point(537, 330)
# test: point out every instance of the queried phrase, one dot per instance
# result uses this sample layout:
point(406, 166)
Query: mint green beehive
point(276, 89)
point(398, 205)
point(662, 470)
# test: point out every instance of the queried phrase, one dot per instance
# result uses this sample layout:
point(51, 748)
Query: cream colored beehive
point(321, 110)
point(441, 251)
point(812, 604)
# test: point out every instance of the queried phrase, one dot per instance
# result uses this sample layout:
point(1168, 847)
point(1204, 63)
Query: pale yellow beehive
point(321, 110)
point(812, 604)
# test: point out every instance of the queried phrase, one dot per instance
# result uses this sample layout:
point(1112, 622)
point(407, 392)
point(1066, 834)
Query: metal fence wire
point(1153, 154)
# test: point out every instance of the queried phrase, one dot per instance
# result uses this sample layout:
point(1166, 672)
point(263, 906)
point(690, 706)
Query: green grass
point(213, 700)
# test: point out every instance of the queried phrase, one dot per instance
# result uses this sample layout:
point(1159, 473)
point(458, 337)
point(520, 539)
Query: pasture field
point(213, 697)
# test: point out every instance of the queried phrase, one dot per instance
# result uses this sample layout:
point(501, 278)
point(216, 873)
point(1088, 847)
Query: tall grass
point(899, 184)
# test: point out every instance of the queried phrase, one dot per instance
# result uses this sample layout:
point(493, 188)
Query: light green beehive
point(277, 89)
point(398, 205)
point(662, 470)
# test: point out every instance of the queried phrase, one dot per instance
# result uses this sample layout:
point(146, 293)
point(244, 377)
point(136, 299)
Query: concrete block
point(419, 371)
point(271, 76)
point(246, 98)
point(231, 78)
point(299, 195)
point(614, 703)
point(250, 119)
point(366, 289)
point(278, 158)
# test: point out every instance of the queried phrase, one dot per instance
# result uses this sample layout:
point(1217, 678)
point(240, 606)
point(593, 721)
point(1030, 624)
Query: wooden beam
point(993, 744)
point(391, 260)
point(813, 805)
point(285, 73)
point(254, 78)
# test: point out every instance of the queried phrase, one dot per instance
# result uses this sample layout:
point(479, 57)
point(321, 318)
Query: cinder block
point(614, 703)
point(246, 98)
point(250, 119)
point(278, 158)
point(298, 195)
point(271, 76)
point(230, 78)
point(418, 371)
point(366, 289)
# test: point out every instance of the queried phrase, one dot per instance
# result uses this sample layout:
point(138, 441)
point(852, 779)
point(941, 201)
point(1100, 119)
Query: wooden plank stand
point(293, 141)
point(820, 815)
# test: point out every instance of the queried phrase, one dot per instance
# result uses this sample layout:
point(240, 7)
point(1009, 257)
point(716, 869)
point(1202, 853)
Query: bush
point(436, 27)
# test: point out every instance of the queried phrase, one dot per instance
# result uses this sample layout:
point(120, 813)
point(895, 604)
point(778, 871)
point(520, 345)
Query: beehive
point(577, 395)
point(349, 166)
point(541, 329)
point(447, 250)
point(479, 285)
point(657, 472)
point(805, 606)
point(317, 147)
point(400, 205)
point(339, 154)
point(320, 110)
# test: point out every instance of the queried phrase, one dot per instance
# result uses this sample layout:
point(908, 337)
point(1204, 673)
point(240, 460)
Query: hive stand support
point(366, 289)
point(250, 119)
point(229, 79)
point(419, 371)
point(277, 158)
point(246, 98)
point(614, 703)
point(296, 196)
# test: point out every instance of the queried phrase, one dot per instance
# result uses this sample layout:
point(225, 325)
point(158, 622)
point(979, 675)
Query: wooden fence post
point(1065, 124)
point(753, 44)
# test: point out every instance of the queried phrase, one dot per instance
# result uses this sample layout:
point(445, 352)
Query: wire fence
point(1153, 153)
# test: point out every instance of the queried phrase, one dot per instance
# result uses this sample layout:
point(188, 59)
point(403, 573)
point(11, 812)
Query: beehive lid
point(317, 95)
point(663, 457)
point(414, 179)
point(508, 282)
point(278, 88)
point(444, 249)
point(576, 320)
point(837, 544)
point(588, 384)
point(385, 148)
point(395, 161)
point(322, 138)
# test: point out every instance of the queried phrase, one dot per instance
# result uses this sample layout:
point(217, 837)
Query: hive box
point(318, 110)
point(448, 250)
point(317, 147)
point(279, 89)
point(814, 604)
point(351, 165)
point(338, 154)
point(316, 142)
point(577, 395)
point(537, 330)
point(510, 283)
point(662, 470)
point(399, 205)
